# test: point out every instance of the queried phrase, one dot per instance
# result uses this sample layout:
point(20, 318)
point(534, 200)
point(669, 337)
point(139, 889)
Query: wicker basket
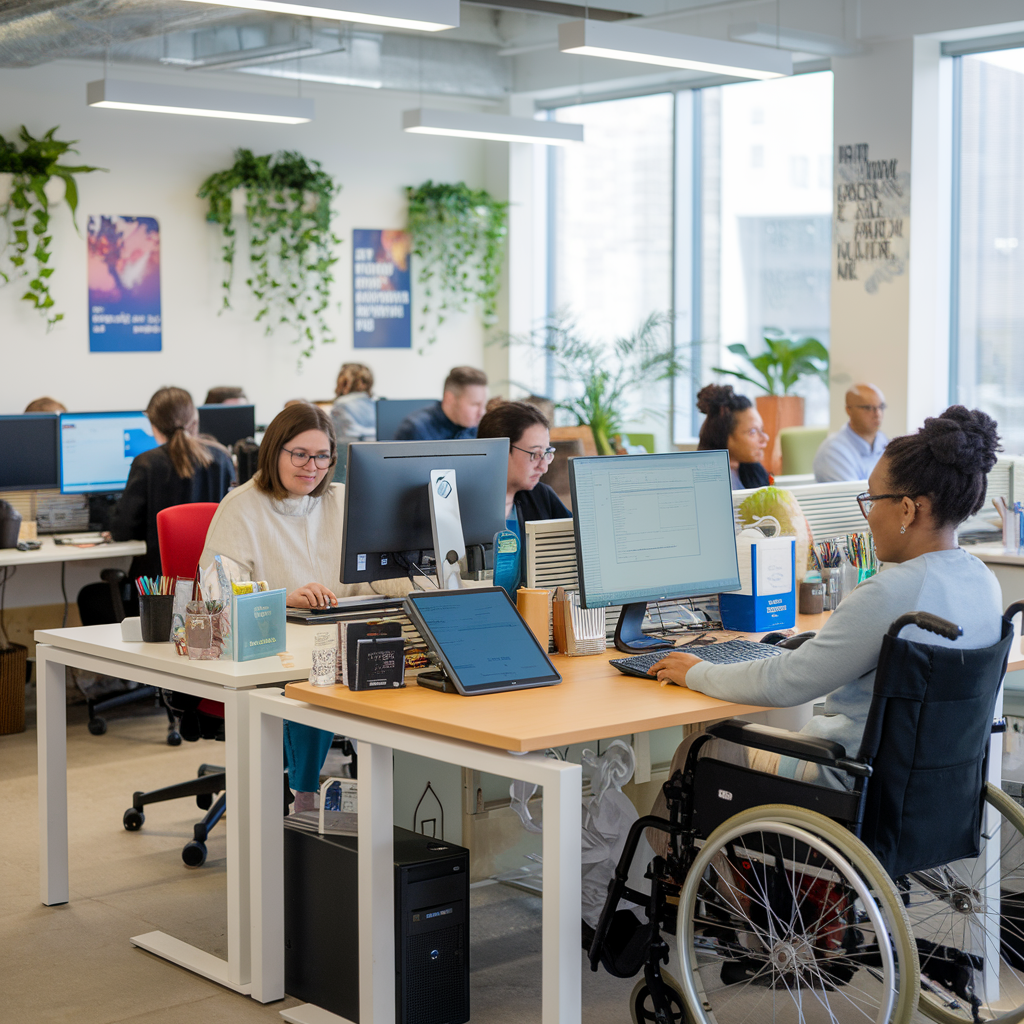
point(13, 665)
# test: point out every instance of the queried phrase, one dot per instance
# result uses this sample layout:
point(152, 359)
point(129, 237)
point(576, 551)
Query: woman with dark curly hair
point(922, 488)
point(732, 422)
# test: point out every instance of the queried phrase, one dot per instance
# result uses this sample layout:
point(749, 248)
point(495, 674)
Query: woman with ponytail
point(183, 469)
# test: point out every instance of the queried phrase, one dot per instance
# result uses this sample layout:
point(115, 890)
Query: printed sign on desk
point(380, 289)
point(124, 284)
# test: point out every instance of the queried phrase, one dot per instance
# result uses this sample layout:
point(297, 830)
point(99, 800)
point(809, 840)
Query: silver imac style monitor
point(652, 528)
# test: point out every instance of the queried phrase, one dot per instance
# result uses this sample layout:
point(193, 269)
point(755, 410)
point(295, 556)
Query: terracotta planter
point(778, 411)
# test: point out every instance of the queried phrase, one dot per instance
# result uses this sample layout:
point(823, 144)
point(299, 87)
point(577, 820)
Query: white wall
point(156, 163)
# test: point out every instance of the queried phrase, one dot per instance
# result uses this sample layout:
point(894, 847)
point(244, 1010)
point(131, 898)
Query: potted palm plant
point(776, 370)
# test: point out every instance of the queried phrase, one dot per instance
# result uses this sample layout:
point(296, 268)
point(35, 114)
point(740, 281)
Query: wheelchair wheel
point(641, 1007)
point(785, 916)
point(968, 921)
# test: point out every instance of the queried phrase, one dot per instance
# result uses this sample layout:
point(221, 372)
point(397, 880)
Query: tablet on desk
point(480, 641)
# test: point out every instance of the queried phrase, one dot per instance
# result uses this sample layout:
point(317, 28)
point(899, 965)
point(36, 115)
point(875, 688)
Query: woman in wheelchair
point(786, 912)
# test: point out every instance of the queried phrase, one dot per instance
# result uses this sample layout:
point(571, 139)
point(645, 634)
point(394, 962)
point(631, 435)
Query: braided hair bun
point(719, 403)
point(947, 460)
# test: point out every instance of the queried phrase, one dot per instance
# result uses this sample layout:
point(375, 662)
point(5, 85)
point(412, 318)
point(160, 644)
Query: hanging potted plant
point(458, 236)
point(601, 377)
point(286, 202)
point(784, 362)
point(31, 182)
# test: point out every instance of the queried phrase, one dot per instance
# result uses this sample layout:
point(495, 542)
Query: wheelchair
point(796, 902)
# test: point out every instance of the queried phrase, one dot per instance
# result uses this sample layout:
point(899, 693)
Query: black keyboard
point(728, 653)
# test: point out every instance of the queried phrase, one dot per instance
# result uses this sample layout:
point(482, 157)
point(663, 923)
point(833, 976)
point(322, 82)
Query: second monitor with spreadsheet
point(652, 528)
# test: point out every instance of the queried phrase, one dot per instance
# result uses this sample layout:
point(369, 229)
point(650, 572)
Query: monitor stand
point(629, 635)
point(446, 528)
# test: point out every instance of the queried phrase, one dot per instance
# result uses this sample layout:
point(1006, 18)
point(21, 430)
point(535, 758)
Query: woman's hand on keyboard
point(673, 668)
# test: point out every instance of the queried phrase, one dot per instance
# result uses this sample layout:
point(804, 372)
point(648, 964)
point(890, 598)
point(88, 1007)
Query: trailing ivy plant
point(288, 212)
point(27, 211)
point(458, 236)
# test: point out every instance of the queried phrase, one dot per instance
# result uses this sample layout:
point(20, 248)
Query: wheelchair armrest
point(787, 744)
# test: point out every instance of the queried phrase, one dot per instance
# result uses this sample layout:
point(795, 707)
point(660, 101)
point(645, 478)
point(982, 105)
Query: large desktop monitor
point(29, 445)
point(227, 423)
point(651, 528)
point(97, 448)
point(387, 513)
point(391, 412)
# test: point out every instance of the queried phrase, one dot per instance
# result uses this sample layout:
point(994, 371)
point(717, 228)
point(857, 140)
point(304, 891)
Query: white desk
point(100, 649)
point(50, 552)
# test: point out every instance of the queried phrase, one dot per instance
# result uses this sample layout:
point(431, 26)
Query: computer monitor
point(227, 423)
point(29, 446)
point(97, 448)
point(651, 528)
point(387, 514)
point(391, 412)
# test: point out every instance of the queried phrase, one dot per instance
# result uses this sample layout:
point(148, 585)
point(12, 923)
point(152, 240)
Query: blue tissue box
point(752, 612)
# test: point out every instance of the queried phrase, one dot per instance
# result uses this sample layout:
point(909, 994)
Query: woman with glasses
point(922, 488)
point(284, 526)
point(731, 422)
point(529, 455)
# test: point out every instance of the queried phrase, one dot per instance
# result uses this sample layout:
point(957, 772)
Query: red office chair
point(181, 530)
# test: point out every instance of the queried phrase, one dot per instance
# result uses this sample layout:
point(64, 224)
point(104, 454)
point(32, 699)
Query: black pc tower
point(321, 925)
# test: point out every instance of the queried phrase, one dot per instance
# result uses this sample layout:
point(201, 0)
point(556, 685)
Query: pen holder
point(156, 612)
point(834, 588)
point(533, 605)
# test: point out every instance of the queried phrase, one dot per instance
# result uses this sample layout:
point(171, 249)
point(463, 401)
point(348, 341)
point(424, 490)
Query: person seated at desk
point(45, 404)
point(529, 455)
point(354, 412)
point(852, 453)
point(284, 526)
point(922, 488)
point(456, 416)
point(183, 469)
point(226, 396)
point(732, 422)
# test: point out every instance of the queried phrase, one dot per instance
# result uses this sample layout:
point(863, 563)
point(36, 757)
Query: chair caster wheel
point(133, 819)
point(97, 726)
point(174, 738)
point(194, 854)
point(204, 801)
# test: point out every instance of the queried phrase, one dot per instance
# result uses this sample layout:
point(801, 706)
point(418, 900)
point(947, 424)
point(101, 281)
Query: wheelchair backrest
point(927, 736)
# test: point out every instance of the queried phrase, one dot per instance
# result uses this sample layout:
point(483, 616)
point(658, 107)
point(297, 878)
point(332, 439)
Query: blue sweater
point(839, 663)
point(431, 424)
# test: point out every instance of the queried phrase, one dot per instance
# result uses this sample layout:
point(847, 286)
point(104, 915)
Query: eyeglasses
point(300, 459)
point(870, 408)
point(867, 501)
point(547, 455)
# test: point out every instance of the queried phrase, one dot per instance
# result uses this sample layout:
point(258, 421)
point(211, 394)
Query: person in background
point(852, 453)
point(546, 406)
point(732, 422)
point(922, 488)
point(354, 412)
point(285, 526)
point(493, 403)
point(226, 396)
point(183, 469)
point(45, 404)
point(529, 455)
point(457, 414)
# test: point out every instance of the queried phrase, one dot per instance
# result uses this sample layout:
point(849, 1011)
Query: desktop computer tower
point(321, 924)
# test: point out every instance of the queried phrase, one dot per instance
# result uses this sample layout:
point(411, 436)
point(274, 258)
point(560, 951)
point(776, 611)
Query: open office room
point(605, 207)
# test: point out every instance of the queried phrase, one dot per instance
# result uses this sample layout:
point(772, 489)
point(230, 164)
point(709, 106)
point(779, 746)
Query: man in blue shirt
point(456, 416)
point(852, 453)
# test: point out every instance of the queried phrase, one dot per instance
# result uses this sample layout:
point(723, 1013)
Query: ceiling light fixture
point(174, 99)
point(420, 15)
point(695, 53)
point(490, 126)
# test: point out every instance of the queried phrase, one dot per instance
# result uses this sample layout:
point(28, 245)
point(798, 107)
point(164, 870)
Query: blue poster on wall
point(124, 284)
point(380, 289)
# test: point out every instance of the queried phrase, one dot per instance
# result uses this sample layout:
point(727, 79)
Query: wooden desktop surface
point(593, 701)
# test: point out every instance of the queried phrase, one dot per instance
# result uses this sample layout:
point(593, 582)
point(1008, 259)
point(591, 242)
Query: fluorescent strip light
point(490, 126)
point(420, 15)
point(175, 99)
point(695, 53)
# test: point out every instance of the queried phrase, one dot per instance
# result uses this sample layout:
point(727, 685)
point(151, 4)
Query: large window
point(714, 205)
point(987, 315)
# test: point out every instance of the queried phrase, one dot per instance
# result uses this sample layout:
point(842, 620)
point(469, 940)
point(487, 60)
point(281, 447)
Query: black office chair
point(860, 901)
point(102, 603)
